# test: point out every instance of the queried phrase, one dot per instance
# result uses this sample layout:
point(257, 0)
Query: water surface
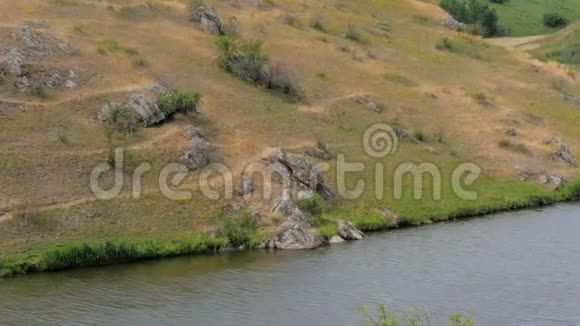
point(519, 268)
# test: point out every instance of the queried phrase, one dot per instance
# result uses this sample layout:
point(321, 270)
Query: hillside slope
point(456, 96)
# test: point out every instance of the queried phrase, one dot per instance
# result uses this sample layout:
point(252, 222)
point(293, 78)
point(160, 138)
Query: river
point(519, 268)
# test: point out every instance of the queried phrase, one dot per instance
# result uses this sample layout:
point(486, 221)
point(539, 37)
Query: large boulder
point(13, 63)
point(297, 237)
point(348, 231)
point(208, 20)
point(146, 108)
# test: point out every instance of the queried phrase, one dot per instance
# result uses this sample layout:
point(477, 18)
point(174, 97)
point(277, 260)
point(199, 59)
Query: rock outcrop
point(555, 181)
point(571, 98)
point(208, 20)
point(318, 152)
point(348, 231)
point(13, 63)
point(564, 154)
point(297, 237)
point(296, 170)
point(336, 240)
point(452, 24)
point(366, 101)
point(146, 108)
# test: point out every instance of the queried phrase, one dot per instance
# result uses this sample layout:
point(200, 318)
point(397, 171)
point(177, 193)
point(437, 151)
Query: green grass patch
point(112, 47)
point(565, 50)
point(466, 46)
point(400, 80)
point(73, 254)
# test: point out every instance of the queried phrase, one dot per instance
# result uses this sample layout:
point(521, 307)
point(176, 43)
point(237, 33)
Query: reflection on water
point(520, 268)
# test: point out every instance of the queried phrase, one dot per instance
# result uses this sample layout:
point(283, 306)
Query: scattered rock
point(552, 141)
point(66, 48)
point(13, 62)
point(297, 237)
point(391, 215)
point(336, 240)
point(452, 24)
point(158, 88)
point(524, 173)
point(564, 154)
point(348, 231)
point(147, 109)
point(401, 134)
point(511, 132)
point(208, 20)
point(556, 181)
point(23, 85)
point(318, 152)
point(197, 156)
point(368, 103)
point(52, 80)
point(571, 98)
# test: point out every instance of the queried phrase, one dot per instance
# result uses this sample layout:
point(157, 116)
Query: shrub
point(414, 317)
point(519, 148)
point(121, 119)
point(39, 90)
point(419, 135)
point(176, 101)
point(240, 233)
point(245, 60)
point(555, 20)
point(110, 47)
point(473, 12)
point(318, 24)
point(314, 205)
point(352, 33)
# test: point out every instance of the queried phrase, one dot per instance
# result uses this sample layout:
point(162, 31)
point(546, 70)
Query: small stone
point(336, 240)
point(511, 132)
point(348, 231)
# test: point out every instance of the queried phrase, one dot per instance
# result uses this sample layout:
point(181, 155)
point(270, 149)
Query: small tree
point(555, 20)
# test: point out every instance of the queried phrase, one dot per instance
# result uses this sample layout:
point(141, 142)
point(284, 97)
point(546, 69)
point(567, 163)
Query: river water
point(520, 268)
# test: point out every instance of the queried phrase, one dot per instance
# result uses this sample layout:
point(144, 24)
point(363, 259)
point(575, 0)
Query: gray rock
point(23, 85)
point(13, 62)
point(66, 48)
point(297, 237)
point(368, 103)
point(198, 154)
point(571, 98)
point(147, 109)
point(302, 173)
point(511, 132)
point(556, 181)
point(287, 207)
point(336, 240)
point(70, 84)
point(348, 231)
point(36, 44)
point(208, 20)
point(564, 154)
point(52, 80)
point(319, 153)
point(452, 24)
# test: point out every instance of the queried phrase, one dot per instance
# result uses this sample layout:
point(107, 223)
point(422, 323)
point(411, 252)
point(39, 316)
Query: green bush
point(414, 317)
point(245, 60)
point(314, 205)
point(473, 12)
point(39, 90)
point(240, 233)
point(176, 101)
point(555, 20)
point(121, 119)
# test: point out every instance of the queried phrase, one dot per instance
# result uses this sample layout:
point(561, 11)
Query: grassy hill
point(561, 47)
point(455, 95)
point(525, 17)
